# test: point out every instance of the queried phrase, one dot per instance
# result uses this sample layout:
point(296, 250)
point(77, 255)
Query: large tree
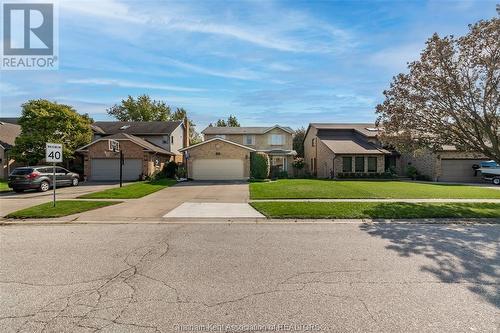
point(43, 121)
point(451, 96)
point(298, 141)
point(141, 109)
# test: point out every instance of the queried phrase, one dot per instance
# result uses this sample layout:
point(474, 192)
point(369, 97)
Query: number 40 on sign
point(53, 153)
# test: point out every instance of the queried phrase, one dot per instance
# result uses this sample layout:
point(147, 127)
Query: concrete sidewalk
point(384, 200)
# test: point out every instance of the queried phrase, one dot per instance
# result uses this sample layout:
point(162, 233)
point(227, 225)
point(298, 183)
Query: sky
point(266, 62)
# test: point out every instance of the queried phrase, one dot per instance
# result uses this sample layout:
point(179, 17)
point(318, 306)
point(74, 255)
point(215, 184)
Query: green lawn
point(345, 189)
point(359, 210)
point(3, 186)
point(63, 208)
point(136, 190)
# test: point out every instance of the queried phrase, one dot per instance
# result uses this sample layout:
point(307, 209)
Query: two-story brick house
point(330, 149)
point(225, 152)
point(146, 146)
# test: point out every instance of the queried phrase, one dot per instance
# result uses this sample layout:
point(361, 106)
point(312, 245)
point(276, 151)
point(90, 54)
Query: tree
point(232, 121)
point(181, 114)
point(451, 96)
point(221, 123)
point(141, 109)
point(43, 121)
point(298, 141)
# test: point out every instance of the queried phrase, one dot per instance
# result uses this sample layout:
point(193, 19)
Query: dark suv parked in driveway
point(40, 178)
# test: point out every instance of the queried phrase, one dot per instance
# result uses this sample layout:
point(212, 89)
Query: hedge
point(259, 166)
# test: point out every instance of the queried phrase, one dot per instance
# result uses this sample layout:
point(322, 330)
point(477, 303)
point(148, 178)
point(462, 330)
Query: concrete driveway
point(156, 205)
point(176, 277)
point(11, 201)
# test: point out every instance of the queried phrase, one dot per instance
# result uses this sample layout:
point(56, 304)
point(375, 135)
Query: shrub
point(170, 169)
point(411, 172)
point(283, 174)
point(426, 178)
point(259, 166)
point(363, 175)
point(181, 172)
point(299, 163)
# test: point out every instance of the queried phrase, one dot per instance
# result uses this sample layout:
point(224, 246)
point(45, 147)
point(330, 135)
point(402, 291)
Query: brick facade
point(130, 150)
point(219, 150)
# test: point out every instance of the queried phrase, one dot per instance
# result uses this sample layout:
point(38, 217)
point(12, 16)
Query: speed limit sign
point(53, 153)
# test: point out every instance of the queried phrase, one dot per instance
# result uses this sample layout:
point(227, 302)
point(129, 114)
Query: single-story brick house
point(333, 148)
point(141, 158)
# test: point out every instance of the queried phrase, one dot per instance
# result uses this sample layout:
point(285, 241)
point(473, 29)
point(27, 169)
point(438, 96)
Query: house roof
point(243, 130)
point(367, 129)
point(124, 136)
point(216, 139)
point(352, 146)
point(135, 127)
point(10, 120)
point(8, 134)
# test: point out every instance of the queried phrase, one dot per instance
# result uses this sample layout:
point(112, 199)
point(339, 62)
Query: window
point(312, 164)
point(249, 140)
point(313, 142)
point(372, 164)
point(172, 139)
point(347, 164)
point(276, 139)
point(360, 164)
point(220, 136)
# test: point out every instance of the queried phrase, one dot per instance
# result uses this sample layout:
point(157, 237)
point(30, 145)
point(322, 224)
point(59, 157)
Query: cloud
point(241, 74)
point(292, 31)
point(130, 84)
point(396, 58)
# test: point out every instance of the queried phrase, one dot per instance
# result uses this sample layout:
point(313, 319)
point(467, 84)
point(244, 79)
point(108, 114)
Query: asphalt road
point(177, 277)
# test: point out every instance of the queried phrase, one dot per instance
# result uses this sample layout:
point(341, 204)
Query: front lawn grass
point(3, 186)
point(133, 191)
point(361, 210)
point(63, 208)
point(345, 189)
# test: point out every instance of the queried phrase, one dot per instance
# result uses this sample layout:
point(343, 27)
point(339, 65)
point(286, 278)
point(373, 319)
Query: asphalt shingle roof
point(8, 134)
point(135, 127)
point(241, 130)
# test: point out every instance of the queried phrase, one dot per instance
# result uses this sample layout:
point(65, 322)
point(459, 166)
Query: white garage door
point(459, 171)
point(221, 169)
point(109, 169)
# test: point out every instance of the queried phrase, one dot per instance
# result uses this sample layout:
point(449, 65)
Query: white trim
point(277, 126)
point(218, 139)
point(105, 138)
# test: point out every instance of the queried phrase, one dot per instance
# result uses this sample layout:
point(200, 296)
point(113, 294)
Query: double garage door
point(459, 171)
point(108, 169)
point(218, 169)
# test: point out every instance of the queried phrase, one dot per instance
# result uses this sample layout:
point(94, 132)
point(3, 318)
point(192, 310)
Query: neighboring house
point(146, 147)
point(330, 149)
point(8, 134)
point(225, 152)
point(446, 165)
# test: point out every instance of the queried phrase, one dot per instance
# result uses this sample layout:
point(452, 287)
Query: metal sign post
point(114, 146)
point(53, 153)
point(121, 168)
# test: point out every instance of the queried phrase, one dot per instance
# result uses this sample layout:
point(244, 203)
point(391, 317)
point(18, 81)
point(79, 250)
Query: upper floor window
point(249, 140)
point(172, 139)
point(221, 136)
point(276, 139)
point(313, 142)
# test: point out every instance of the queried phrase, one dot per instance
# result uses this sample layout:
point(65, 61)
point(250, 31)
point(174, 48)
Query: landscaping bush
point(181, 172)
point(259, 166)
point(411, 172)
point(283, 174)
point(170, 169)
point(363, 175)
point(424, 178)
